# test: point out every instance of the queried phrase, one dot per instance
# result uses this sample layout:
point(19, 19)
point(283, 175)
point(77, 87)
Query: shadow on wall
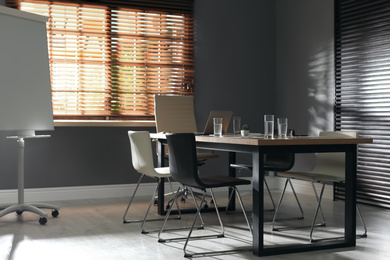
point(321, 94)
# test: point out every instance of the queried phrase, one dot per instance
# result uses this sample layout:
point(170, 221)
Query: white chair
point(142, 160)
point(329, 168)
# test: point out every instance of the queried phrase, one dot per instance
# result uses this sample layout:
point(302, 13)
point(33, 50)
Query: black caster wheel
point(206, 206)
point(19, 212)
point(182, 200)
point(42, 221)
point(55, 213)
point(167, 206)
point(155, 202)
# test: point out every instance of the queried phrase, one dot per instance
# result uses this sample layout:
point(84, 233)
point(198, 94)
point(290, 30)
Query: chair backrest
point(141, 152)
point(182, 159)
point(333, 163)
point(175, 114)
point(279, 162)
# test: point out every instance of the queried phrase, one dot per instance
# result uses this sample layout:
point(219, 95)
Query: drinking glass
point(282, 127)
point(269, 126)
point(236, 125)
point(217, 121)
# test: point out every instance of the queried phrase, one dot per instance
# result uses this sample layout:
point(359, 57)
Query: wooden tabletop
point(259, 140)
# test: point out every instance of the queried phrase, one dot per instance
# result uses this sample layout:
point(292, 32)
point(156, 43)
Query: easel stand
point(21, 206)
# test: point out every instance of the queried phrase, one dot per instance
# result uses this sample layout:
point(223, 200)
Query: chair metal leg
point(198, 207)
point(243, 210)
point(296, 198)
point(131, 200)
point(316, 212)
point(322, 213)
point(270, 195)
point(198, 215)
point(319, 208)
point(288, 181)
point(249, 168)
point(126, 221)
point(150, 204)
point(278, 207)
point(364, 223)
point(222, 234)
point(161, 240)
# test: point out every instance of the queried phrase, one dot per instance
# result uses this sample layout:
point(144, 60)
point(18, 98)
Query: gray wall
point(251, 56)
point(305, 72)
point(235, 58)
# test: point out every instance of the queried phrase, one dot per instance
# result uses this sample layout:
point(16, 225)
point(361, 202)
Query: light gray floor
point(93, 229)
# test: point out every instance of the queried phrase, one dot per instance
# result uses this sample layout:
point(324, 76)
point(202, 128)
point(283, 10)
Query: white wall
point(305, 64)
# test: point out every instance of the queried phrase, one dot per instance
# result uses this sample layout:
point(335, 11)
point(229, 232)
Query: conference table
point(257, 146)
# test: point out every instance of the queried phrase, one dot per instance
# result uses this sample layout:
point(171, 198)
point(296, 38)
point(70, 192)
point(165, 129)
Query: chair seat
point(222, 181)
point(163, 171)
point(310, 176)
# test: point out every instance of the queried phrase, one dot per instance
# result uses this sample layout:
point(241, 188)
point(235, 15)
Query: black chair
point(184, 169)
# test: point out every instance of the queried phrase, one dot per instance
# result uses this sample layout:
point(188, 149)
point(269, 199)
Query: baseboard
point(76, 192)
point(125, 190)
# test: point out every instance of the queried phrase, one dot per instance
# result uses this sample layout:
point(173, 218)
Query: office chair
point(142, 160)
point(176, 114)
point(329, 168)
point(184, 169)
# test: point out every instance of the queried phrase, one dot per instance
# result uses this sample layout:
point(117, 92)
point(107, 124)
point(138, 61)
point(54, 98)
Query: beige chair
point(329, 168)
point(176, 114)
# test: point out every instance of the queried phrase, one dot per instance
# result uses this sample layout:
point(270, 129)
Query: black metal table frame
point(258, 153)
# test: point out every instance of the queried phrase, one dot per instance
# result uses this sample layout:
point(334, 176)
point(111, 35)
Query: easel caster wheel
point(55, 213)
point(206, 206)
point(19, 212)
point(42, 221)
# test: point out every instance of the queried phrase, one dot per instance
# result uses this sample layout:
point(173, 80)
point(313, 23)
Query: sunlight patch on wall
point(321, 90)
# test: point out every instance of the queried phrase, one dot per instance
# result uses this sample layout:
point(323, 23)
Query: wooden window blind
point(109, 58)
point(362, 102)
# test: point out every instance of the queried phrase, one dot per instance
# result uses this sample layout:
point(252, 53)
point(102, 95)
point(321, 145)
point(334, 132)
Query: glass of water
point(269, 126)
point(282, 127)
point(217, 121)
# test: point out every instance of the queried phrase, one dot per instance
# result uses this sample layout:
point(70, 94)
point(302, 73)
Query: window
point(108, 60)
point(363, 90)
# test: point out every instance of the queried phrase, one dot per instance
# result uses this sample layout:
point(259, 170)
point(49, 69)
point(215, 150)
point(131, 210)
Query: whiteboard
point(25, 91)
